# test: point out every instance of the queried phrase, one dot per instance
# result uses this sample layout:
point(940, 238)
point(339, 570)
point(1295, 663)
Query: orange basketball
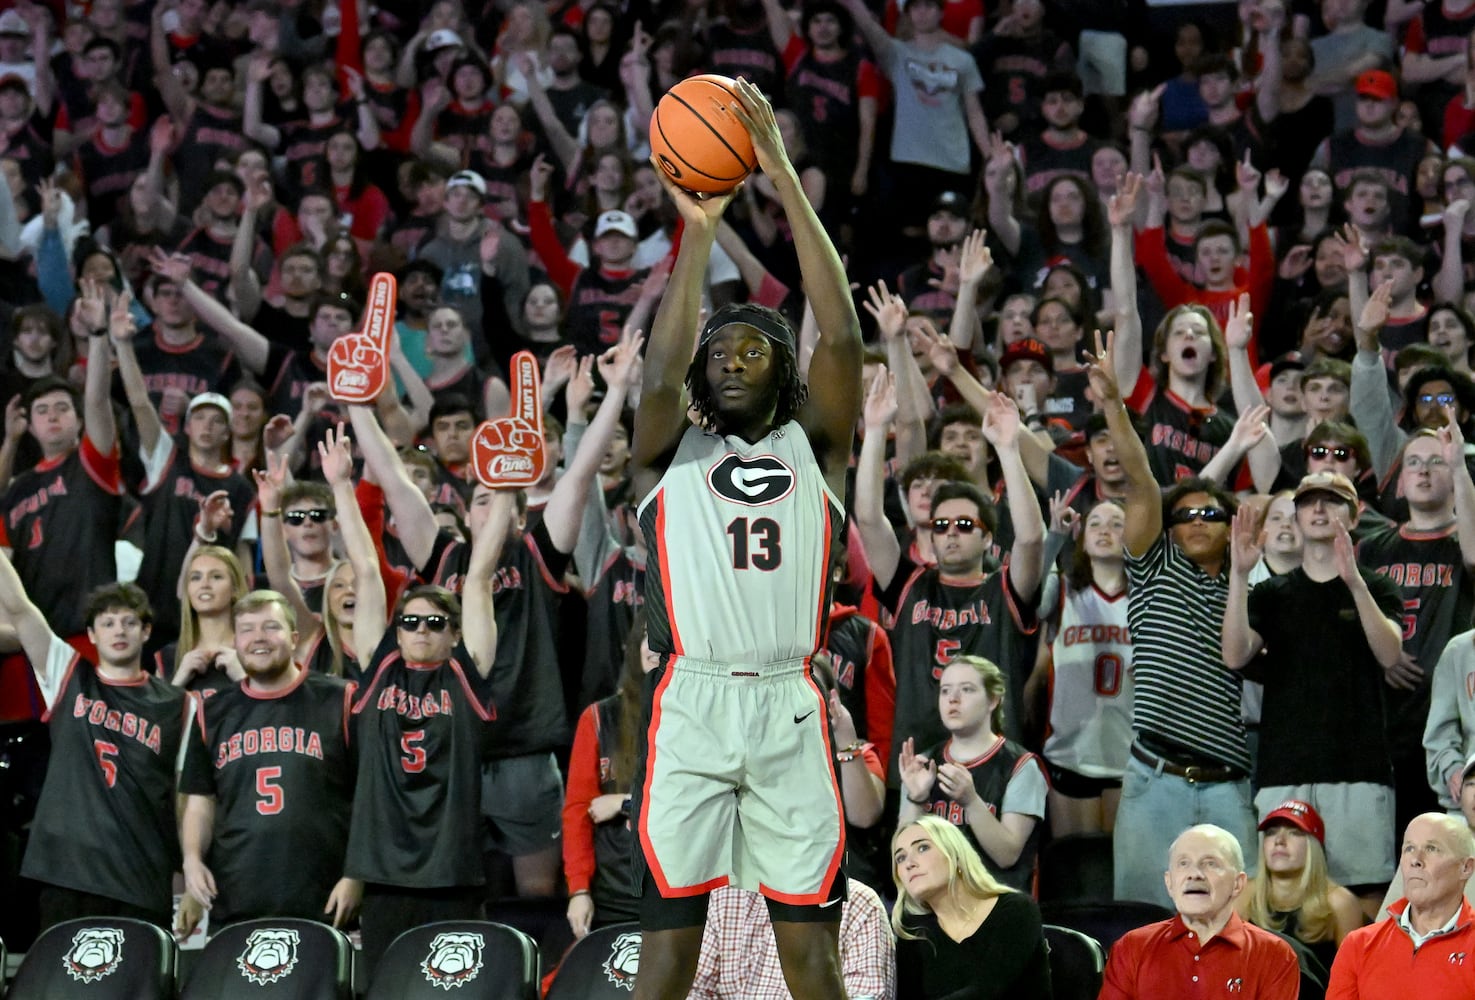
point(697, 140)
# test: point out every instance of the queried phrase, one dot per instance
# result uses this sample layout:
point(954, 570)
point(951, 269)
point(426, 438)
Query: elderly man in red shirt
point(1427, 947)
point(1206, 949)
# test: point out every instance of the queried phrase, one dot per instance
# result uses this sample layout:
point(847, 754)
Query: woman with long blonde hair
point(204, 657)
point(1291, 892)
point(961, 934)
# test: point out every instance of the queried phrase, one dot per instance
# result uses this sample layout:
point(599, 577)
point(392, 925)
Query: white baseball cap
point(616, 221)
point(209, 399)
point(442, 38)
point(468, 178)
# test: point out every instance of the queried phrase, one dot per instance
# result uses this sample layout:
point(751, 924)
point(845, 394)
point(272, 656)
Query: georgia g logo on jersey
point(95, 952)
point(752, 482)
point(270, 955)
point(454, 959)
point(624, 960)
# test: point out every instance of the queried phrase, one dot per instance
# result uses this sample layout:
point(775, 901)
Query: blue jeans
point(1157, 807)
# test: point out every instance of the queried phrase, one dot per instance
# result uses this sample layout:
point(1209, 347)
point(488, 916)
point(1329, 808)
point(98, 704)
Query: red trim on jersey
point(1110, 598)
point(101, 469)
point(558, 586)
point(643, 823)
point(169, 348)
point(259, 695)
point(822, 894)
point(983, 758)
point(487, 712)
point(1008, 589)
point(824, 589)
point(348, 692)
point(132, 682)
point(1409, 534)
point(66, 678)
point(663, 557)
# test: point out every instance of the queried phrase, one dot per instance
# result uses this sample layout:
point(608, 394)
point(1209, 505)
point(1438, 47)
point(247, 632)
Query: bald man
point(1206, 944)
point(1427, 947)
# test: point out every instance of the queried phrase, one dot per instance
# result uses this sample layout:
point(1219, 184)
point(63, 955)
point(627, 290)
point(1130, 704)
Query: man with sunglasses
point(415, 840)
point(1336, 757)
point(309, 521)
point(1189, 761)
point(934, 614)
point(1430, 557)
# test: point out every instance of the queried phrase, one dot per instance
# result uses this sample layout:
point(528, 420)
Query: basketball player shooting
point(741, 513)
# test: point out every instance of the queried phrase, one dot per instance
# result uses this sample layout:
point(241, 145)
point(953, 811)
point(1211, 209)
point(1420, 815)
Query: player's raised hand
point(918, 773)
point(700, 213)
point(344, 900)
point(755, 111)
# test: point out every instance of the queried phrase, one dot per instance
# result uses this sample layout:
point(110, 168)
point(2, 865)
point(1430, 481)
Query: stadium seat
point(108, 958)
point(300, 959)
point(1076, 963)
point(478, 960)
point(1106, 922)
point(1076, 869)
point(602, 965)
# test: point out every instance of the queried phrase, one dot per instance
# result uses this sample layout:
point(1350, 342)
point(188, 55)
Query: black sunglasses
point(965, 525)
point(318, 514)
point(1340, 452)
point(1208, 515)
point(436, 623)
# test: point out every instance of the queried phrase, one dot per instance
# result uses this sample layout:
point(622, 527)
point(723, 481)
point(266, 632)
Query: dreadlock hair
point(787, 385)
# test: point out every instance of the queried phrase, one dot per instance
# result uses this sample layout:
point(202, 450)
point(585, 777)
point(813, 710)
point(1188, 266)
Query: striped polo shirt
point(1182, 692)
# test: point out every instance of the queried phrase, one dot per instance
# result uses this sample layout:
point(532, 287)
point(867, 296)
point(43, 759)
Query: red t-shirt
point(1166, 960)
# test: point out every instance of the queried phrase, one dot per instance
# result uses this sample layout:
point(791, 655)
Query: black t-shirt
point(281, 770)
point(1005, 959)
point(1321, 720)
point(417, 806)
point(526, 685)
point(106, 820)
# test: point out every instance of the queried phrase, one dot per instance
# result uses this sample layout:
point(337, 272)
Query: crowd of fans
point(1161, 512)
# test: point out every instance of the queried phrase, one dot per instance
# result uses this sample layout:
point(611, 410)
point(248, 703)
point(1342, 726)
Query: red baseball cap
point(1028, 349)
point(1298, 814)
point(1377, 83)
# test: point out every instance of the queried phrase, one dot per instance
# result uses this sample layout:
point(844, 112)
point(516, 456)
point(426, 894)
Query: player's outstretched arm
point(30, 626)
point(478, 619)
point(835, 392)
point(661, 419)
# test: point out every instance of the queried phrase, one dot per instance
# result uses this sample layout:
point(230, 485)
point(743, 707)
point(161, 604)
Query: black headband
point(761, 320)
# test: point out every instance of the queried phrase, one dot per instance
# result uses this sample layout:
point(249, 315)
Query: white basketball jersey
point(1091, 686)
point(740, 537)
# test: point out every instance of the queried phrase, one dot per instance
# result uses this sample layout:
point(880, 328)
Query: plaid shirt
point(740, 959)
